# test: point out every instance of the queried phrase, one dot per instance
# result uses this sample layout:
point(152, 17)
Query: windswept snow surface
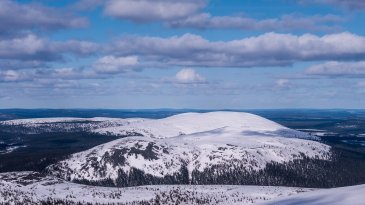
point(194, 140)
point(33, 188)
point(353, 195)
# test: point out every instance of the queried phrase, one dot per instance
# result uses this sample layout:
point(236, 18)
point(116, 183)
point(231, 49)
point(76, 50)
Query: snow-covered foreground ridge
point(184, 145)
point(353, 195)
point(34, 188)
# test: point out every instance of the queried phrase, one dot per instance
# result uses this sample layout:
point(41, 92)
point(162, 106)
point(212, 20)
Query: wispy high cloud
point(10, 76)
point(348, 4)
point(46, 74)
point(147, 11)
point(338, 69)
point(284, 23)
point(112, 64)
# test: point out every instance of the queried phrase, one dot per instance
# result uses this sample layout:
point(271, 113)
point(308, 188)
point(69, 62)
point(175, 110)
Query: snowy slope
point(193, 141)
point(353, 195)
point(33, 188)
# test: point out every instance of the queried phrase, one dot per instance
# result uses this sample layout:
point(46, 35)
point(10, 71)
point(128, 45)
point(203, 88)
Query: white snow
point(353, 195)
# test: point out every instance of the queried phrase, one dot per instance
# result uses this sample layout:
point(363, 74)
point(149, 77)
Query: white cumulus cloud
point(33, 47)
point(16, 17)
point(269, 49)
point(188, 76)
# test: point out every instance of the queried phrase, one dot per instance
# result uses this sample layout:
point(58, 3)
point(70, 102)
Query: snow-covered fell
point(191, 123)
point(195, 141)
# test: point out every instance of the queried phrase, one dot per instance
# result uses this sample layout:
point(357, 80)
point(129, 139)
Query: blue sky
point(182, 54)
